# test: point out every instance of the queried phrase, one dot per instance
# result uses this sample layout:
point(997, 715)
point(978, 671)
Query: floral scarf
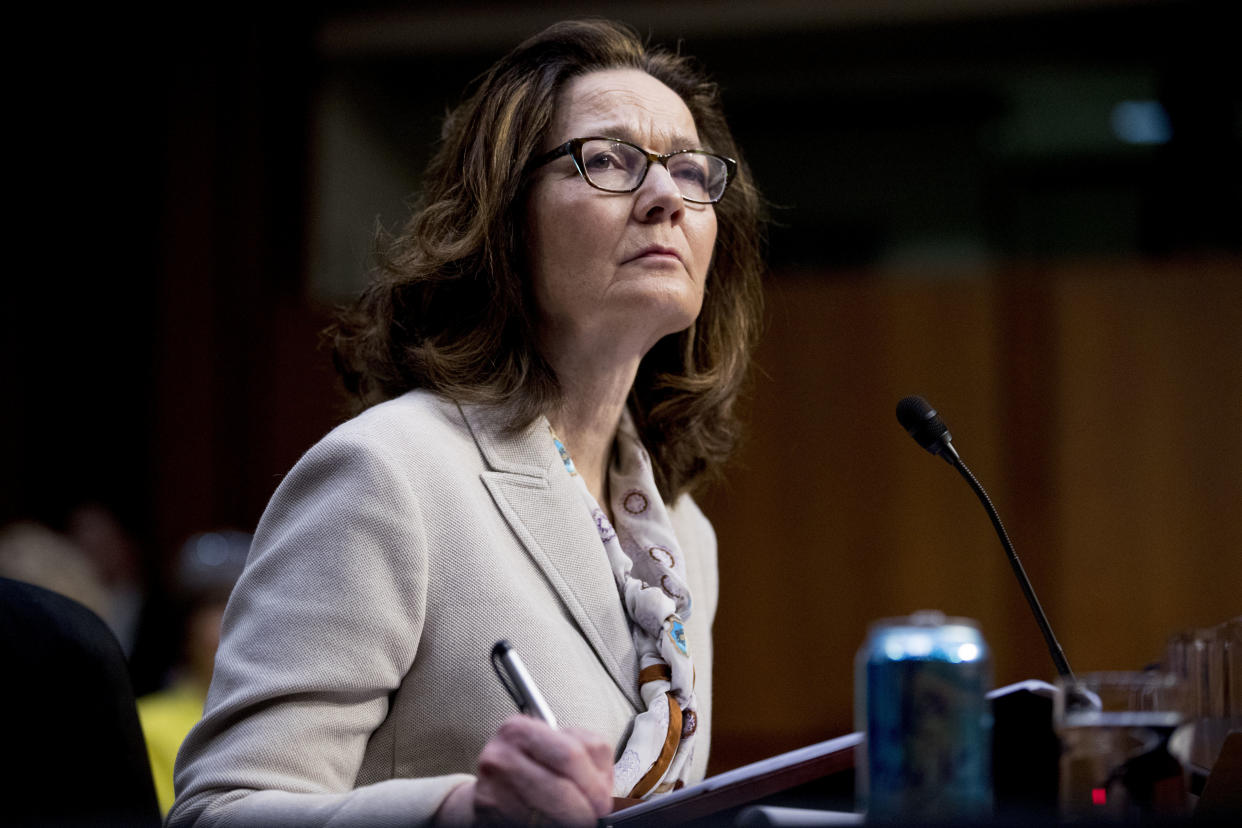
point(650, 574)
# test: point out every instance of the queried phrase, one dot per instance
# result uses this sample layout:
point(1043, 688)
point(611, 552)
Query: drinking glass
point(1115, 762)
point(1210, 662)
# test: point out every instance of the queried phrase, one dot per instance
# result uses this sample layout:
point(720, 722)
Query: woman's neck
point(587, 418)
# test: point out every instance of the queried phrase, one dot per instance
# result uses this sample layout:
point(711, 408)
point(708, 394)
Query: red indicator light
point(1099, 796)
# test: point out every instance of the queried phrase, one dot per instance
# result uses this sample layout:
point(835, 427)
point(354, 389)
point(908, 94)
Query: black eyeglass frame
point(573, 148)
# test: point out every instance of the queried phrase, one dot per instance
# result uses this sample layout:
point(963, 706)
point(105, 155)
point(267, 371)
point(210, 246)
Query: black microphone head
point(923, 423)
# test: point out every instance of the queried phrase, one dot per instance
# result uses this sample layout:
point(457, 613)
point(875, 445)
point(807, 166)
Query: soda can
point(920, 697)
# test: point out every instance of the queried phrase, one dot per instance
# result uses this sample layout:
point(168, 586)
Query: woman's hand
point(529, 773)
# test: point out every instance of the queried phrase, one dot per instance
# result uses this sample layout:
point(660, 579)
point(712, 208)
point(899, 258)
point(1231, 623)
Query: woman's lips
point(656, 253)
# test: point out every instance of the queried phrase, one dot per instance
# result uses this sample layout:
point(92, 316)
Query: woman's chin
point(665, 302)
point(658, 320)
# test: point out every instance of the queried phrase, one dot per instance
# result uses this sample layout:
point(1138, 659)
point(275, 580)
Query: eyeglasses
point(617, 166)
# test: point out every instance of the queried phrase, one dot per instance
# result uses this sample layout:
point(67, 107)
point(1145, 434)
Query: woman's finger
point(600, 751)
point(579, 756)
point(528, 769)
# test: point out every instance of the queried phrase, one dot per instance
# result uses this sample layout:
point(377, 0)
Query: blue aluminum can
point(920, 696)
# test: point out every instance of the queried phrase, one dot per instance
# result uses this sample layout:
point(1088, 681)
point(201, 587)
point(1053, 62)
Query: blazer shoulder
point(416, 443)
point(414, 414)
point(416, 430)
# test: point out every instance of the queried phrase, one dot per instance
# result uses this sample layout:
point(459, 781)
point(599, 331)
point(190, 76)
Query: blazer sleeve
point(319, 631)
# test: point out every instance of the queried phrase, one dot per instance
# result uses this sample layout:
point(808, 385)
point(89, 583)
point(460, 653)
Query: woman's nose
point(658, 196)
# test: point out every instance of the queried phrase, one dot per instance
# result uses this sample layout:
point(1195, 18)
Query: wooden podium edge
point(740, 786)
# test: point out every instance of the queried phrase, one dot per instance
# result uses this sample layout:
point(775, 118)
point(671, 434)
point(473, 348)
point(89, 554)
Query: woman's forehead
point(624, 103)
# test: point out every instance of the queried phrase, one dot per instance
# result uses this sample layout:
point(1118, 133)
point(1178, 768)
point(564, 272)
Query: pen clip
point(512, 674)
point(502, 672)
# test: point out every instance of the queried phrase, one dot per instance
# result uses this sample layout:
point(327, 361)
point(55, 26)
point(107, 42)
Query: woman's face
point(614, 272)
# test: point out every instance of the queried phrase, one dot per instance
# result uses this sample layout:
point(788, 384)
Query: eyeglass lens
point(612, 165)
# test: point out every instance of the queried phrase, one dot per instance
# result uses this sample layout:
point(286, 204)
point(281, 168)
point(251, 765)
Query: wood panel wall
point(1101, 405)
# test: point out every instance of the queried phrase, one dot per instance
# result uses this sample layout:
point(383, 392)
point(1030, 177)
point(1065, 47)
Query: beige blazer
point(353, 683)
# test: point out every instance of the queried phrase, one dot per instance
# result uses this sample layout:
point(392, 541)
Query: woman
point(554, 345)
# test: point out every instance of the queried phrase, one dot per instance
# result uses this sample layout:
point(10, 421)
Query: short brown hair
point(451, 310)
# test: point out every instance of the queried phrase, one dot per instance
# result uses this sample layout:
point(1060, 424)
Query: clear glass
point(1231, 655)
point(1115, 759)
point(1210, 662)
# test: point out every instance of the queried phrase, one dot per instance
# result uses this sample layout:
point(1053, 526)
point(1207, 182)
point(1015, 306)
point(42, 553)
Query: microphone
point(918, 417)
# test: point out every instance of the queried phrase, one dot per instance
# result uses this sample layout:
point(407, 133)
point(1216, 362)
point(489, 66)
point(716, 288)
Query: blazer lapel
point(544, 508)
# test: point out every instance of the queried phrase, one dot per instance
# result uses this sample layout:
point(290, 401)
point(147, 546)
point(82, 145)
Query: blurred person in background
point(100, 535)
point(207, 568)
point(35, 554)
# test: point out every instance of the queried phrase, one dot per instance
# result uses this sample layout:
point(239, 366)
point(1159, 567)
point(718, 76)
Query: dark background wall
point(955, 215)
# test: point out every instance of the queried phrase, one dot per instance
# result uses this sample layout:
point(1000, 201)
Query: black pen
point(512, 674)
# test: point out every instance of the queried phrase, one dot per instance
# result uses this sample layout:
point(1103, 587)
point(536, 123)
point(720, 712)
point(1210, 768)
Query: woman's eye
point(690, 171)
point(603, 161)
